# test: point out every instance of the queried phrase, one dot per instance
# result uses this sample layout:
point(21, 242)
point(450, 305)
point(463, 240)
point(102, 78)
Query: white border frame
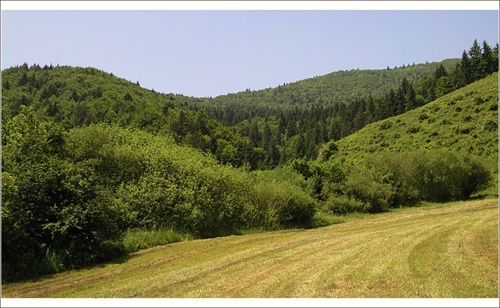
point(250, 5)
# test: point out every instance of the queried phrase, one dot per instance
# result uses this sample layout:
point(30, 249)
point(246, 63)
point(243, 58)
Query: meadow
point(430, 251)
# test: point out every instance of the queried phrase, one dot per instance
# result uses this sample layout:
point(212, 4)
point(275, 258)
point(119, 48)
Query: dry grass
point(434, 251)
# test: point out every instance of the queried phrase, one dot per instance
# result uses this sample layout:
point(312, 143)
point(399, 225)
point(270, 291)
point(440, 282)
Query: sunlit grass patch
point(136, 240)
point(433, 250)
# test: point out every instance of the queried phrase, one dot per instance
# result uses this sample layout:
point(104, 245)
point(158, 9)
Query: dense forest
point(88, 157)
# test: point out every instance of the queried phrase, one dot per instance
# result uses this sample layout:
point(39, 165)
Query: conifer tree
point(440, 72)
point(24, 79)
point(475, 55)
point(495, 58)
point(300, 149)
point(487, 65)
point(266, 136)
point(466, 68)
point(254, 134)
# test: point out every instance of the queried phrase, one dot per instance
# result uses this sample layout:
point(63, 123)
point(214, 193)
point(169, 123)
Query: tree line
point(287, 133)
point(236, 133)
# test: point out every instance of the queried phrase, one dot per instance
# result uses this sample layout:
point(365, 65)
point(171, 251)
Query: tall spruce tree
point(475, 55)
point(487, 65)
point(466, 68)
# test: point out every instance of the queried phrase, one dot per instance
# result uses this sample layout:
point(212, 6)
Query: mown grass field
point(446, 250)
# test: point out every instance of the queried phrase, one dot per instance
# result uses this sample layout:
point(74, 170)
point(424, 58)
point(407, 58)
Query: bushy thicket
point(54, 213)
point(390, 180)
point(68, 197)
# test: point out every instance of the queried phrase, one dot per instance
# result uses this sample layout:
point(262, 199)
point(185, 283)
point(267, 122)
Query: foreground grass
point(431, 251)
point(136, 240)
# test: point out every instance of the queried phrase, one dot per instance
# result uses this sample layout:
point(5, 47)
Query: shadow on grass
point(484, 196)
point(118, 260)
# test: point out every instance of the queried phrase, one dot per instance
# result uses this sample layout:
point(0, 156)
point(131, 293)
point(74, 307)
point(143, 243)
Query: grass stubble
point(434, 251)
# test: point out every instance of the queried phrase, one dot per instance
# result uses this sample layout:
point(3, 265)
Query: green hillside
point(253, 136)
point(464, 121)
point(259, 129)
point(340, 86)
point(439, 152)
point(76, 96)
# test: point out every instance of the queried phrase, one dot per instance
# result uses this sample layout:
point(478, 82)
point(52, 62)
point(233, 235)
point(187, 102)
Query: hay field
point(446, 250)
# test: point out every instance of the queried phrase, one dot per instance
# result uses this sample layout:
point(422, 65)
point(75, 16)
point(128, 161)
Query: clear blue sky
point(215, 52)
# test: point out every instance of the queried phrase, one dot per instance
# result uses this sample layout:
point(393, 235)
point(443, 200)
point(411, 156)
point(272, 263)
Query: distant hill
point(465, 120)
point(84, 95)
point(340, 86)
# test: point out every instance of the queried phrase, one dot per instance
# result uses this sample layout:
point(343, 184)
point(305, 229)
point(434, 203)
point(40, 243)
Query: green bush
point(341, 204)
point(491, 125)
point(55, 213)
point(364, 186)
point(282, 200)
point(413, 129)
point(74, 194)
point(327, 150)
point(388, 180)
point(397, 171)
point(444, 176)
point(385, 125)
point(185, 190)
point(436, 175)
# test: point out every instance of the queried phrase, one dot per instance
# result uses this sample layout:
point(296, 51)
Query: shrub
point(443, 176)
point(478, 100)
point(396, 170)
point(413, 129)
point(423, 116)
point(341, 204)
point(491, 125)
point(385, 125)
point(55, 213)
point(329, 149)
point(363, 185)
point(298, 210)
point(474, 177)
point(402, 179)
point(493, 106)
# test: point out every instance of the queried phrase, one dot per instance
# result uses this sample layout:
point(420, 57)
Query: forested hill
point(76, 96)
point(260, 129)
point(436, 152)
point(80, 96)
point(339, 86)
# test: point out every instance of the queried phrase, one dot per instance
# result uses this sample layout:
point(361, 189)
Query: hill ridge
point(340, 80)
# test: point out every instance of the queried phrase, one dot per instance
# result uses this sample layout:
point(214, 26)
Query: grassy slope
point(465, 120)
point(447, 250)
